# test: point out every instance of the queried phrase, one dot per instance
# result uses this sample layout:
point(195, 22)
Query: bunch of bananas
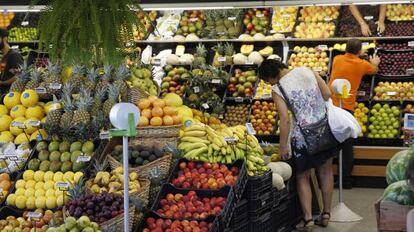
point(200, 142)
point(114, 182)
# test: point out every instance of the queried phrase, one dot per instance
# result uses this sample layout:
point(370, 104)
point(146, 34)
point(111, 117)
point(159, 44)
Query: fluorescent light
point(328, 4)
point(379, 3)
point(22, 8)
point(189, 8)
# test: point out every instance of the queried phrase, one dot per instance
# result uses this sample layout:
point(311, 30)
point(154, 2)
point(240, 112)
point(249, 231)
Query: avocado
point(135, 154)
point(34, 164)
point(145, 154)
point(145, 162)
point(44, 165)
point(43, 155)
point(76, 167)
point(139, 161)
point(66, 166)
point(55, 166)
point(88, 146)
point(74, 156)
point(76, 146)
point(158, 153)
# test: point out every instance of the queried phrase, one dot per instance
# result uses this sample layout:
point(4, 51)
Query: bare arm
point(9, 81)
point(284, 124)
point(357, 15)
point(326, 93)
point(375, 61)
point(381, 18)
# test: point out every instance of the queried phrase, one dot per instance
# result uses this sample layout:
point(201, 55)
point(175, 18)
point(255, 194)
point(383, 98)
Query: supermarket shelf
point(24, 42)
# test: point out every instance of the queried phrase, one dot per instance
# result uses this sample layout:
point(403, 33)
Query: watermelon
point(399, 192)
point(397, 166)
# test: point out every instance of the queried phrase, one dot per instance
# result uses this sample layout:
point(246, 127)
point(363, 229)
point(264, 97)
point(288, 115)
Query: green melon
point(399, 192)
point(397, 166)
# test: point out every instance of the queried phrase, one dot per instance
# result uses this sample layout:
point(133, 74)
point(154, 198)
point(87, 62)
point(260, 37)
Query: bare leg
point(305, 193)
point(326, 179)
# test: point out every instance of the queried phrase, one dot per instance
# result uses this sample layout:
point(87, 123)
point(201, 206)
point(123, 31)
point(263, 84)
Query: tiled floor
point(361, 201)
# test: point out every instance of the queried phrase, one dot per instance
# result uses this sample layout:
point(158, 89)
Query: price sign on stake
point(250, 129)
point(63, 185)
point(40, 90)
point(411, 43)
point(361, 93)
point(409, 121)
point(317, 69)
point(365, 44)
point(267, 96)
point(216, 81)
point(221, 59)
point(104, 135)
point(34, 123)
point(196, 89)
point(231, 18)
point(83, 158)
point(205, 106)
point(391, 93)
point(193, 19)
point(238, 99)
point(410, 71)
point(34, 215)
point(323, 47)
point(230, 139)
point(13, 158)
point(369, 17)
point(15, 47)
point(249, 62)
point(24, 23)
point(55, 86)
point(17, 124)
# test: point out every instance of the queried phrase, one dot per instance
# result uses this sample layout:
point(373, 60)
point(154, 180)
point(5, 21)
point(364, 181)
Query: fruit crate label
point(40, 90)
point(24, 23)
point(55, 86)
point(205, 106)
point(193, 19)
point(410, 71)
point(231, 18)
point(231, 139)
point(34, 215)
point(323, 47)
point(391, 93)
point(365, 44)
point(250, 129)
point(238, 99)
point(317, 69)
point(260, 15)
point(83, 158)
point(369, 17)
point(34, 123)
point(249, 62)
point(196, 89)
point(216, 81)
point(267, 96)
point(18, 124)
point(221, 33)
point(361, 93)
point(327, 19)
point(411, 43)
point(15, 47)
point(221, 59)
point(104, 135)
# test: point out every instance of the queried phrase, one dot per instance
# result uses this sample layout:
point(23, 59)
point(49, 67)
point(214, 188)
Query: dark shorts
point(306, 162)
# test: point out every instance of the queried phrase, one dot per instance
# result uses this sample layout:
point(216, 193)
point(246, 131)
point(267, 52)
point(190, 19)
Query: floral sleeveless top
point(304, 95)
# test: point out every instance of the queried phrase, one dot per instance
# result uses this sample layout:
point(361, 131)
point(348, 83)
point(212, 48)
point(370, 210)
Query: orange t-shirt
point(353, 69)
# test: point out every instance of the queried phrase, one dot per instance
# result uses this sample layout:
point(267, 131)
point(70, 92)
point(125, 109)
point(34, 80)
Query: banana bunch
point(113, 182)
point(201, 143)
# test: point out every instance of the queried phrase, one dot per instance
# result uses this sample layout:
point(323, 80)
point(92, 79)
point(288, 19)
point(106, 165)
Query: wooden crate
point(391, 216)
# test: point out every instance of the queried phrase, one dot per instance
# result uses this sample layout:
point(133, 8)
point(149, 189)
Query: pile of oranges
point(5, 185)
point(5, 19)
point(157, 112)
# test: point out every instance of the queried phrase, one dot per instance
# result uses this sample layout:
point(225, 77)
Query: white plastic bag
point(343, 124)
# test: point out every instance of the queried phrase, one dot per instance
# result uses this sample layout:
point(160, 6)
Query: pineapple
point(228, 52)
point(35, 80)
point(54, 115)
point(121, 75)
point(156, 184)
point(90, 83)
point(100, 95)
point(113, 96)
point(68, 107)
point(219, 52)
point(82, 115)
point(52, 78)
point(200, 56)
point(78, 189)
point(21, 79)
point(77, 77)
point(104, 82)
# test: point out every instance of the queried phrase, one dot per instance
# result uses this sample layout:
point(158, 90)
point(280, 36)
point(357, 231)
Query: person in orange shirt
point(352, 68)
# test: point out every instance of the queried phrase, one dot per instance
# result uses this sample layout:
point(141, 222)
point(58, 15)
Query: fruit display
point(71, 224)
point(138, 154)
point(26, 224)
point(384, 121)
point(399, 29)
point(39, 189)
point(284, 19)
point(396, 64)
point(112, 182)
point(5, 19)
point(242, 83)
point(394, 46)
point(21, 152)
point(409, 109)
point(157, 112)
point(141, 78)
point(148, 20)
point(168, 224)
point(223, 24)
point(23, 34)
point(191, 22)
point(348, 25)
point(394, 91)
point(200, 142)
point(167, 25)
point(313, 30)
point(314, 58)
point(263, 117)
point(190, 206)
point(98, 208)
point(61, 156)
point(264, 90)
point(236, 114)
point(208, 119)
point(361, 115)
point(176, 80)
point(318, 13)
point(400, 12)
point(204, 175)
point(257, 21)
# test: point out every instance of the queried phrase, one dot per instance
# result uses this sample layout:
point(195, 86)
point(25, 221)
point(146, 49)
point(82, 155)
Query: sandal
point(323, 219)
point(306, 227)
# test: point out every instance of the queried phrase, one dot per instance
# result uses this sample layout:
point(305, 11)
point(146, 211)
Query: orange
point(158, 103)
point(176, 119)
point(143, 121)
point(152, 99)
point(168, 120)
point(4, 176)
point(156, 121)
point(146, 113)
point(144, 104)
point(157, 112)
point(168, 110)
point(5, 185)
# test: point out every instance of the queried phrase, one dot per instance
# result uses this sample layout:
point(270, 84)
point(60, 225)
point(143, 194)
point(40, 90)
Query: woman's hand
point(381, 27)
point(365, 29)
point(284, 152)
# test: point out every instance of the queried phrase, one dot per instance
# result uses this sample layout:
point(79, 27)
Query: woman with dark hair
point(307, 92)
point(410, 180)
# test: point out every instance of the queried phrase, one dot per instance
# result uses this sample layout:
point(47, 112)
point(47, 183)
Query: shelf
point(24, 42)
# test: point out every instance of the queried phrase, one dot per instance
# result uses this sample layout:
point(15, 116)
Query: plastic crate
point(265, 200)
point(9, 211)
point(256, 185)
point(240, 214)
point(264, 223)
point(279, 196)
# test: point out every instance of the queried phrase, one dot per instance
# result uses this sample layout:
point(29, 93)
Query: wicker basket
point(160, 131)
point(163, 163)
point(136, 94)
point(161, 141)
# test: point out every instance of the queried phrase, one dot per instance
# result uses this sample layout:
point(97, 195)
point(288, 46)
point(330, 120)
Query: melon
point(281, 168)
point(174, 99)
point(21, 138)
point(173, 59)
point(277, 181)
point(255, 57)
point(397, 166)
point(35, 111)
point(399, 192)
point(239, 59)
point(3, 110)
point(5, 121)
point(39, 135)
point(18, 111)
point(29, 98)
point(6, 137)
point(11, 99)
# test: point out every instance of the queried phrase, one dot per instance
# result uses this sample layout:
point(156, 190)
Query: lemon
point(29, 128)
point(14, 129)
point(21, 202)
point(48, 176)
point(35, 111)
point(21, 138)
point(38, 176)
point(51, 202)
point(28, 175)
point(40, 202)
point(39, 185)
point(60, 200)
point(49, 185)
point(31, 202)
point(6, 137)
point(5, 121)
point(29, 192)
point(58, 176)
point(20, 192)
point(11, 199)
point(77, 176)
point(38, 135)
point(20, 184)
point(30, 184)
point(50, 193)
point(3, 110)
point(68, 176)
point(39, 192)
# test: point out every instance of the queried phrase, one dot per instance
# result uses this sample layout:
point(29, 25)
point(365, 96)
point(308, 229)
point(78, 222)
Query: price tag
point(216, 81)
point(391, 93)
point(410, 71)
point(260, 15)
point(13, 158)
point(231, 18)
point(34, 215)
point(267, 96)
point(369, 17)
point(15, 47)
point(221, 116)
point(221, 59)
point(238, 99)
point(83, 158)
point(104, 135)
point(157, 61)
point(250, 129)
point(286, 15)
point(40, 90)
point(365, 44)
point(361, 93)
point(326, 19)
point(196, 89)
point(249, 62)
point(205, 106)
point(18, 124)
point(63, 186)
point(411, 43)
point(34, 123)
point(193, 19)
point(55, 86)
point(230, 139)
point(24, 23)
point(317, 69)
point(409, 121)
point(323, 47)
point(221, 33)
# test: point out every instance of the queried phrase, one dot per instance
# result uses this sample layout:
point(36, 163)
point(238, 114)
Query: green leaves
point(87, 31)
